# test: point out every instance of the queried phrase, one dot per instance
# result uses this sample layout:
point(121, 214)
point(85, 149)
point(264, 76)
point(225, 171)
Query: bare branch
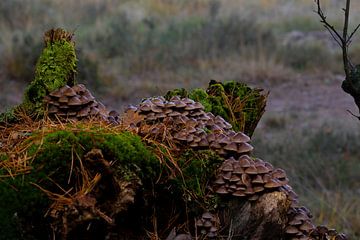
point(352, 34)
point(328, 26)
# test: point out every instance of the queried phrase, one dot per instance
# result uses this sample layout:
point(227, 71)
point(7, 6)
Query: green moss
point(198, 168)
point(53, 159)
point(8, 116)
point(55, 68)
point(176, 92)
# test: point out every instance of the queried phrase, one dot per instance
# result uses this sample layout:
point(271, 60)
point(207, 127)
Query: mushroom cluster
point(208, 225)
point(77, 103)
point(246, 177)
point(189, 124)
point(299, 225)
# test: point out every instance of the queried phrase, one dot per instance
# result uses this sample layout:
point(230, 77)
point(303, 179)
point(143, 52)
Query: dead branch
point(352, 79)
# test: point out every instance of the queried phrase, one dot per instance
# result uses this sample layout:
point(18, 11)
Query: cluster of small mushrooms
point(186, 122)
point(189, 124)
point(239, 175)
point(77, 103)
point(246, 177)
point(208, 225)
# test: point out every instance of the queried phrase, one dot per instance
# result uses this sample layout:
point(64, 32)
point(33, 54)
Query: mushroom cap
point(258, 189)
point(227, 175)
point(83, 112)
point(245, 161)
point(84, 100)
point(238, 170)
point(295, 222)
point(207, 223)
point(258, 179)
point(63, 99)
point(227, 167)
point(234, 178)
point(249, 191)
point(94, 111)
point(145, 107)
point(79, 88)
point(199, 223)
point(69, 92)
point(251, 170)
point(279, 173)
point(215, 145)
point(272, 183)
point(307, 226)
point(254, 197)
point(174, 114)
point(261, 168)
point(240, 138)
point(213, 229)
point(245, 178)
point(244, 148)
point(53, 109)
point(179, 104)
point(182, 136)
point(222, 190)
point(155, 108)
point(239, 193)
point(291, 230)
point(219, 181)
point(203, 142)
point(74, 101)
point(158, 102)
point(56, 93)
point(207, 216)
point(231, 147)
point(88, 95)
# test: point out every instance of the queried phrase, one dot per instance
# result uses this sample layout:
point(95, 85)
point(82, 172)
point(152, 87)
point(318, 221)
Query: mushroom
point(240, 138)
point(231, 147)
point(251, 170)
point(244, 148)
point(69, 92)
point(74, 101)
point(245, 161)
point(222, 190)
point(291, 230)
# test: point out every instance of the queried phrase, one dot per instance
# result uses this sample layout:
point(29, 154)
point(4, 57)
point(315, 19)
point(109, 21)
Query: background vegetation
point(132, 49)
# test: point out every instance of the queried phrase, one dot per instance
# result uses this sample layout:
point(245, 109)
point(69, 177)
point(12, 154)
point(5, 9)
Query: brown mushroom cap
point(292, 230)
point(79, 88)
point(74, 101)
point(222, 190)
point(307, 226)
point(244, 148)
point(63, 99)
point(245, 161)
point(231, 147)
point(272, 183)
point(239, 193)
point(207, 216)
point(251, 170)
point(240, 138)
point(258, 180)
point(56, 93)
point(69, 92)
point(53, 109)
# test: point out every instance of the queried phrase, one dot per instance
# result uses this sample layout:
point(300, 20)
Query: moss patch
point(53, 156)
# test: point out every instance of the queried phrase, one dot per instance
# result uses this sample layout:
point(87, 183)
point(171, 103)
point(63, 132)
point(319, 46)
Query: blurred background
point(132, 49)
